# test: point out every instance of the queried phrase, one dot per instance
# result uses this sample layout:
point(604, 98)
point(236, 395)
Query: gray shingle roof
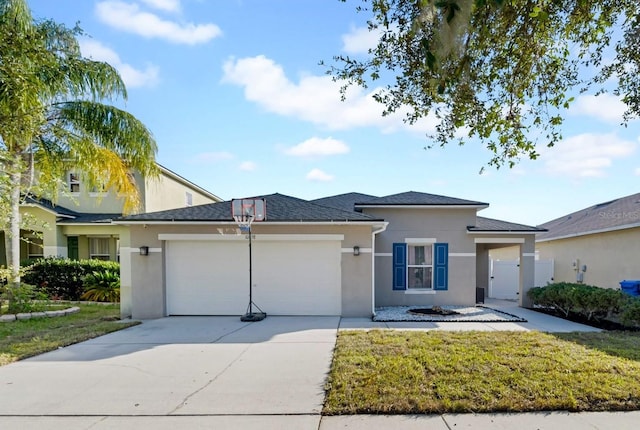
point(86, 218)
point(413, 198)
point(344, 201)
point(280, 208)
point(68, 216)
point(611, 215)
point(496, 225)
point(48, 204)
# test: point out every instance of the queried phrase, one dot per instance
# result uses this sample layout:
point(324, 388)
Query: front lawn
point(394, 372)
point(26, 338)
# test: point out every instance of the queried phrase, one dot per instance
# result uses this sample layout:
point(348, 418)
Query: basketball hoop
point(244, 213)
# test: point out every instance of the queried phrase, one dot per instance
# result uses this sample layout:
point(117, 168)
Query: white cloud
point(248, 166)
point(586, 155)
point(359, 40)
point(131, 76)
point(128, 17)
point(318, 147)
point(165, 5)
point(605, 107)
point(214, 156)
point(319, 175)
point(314, 98)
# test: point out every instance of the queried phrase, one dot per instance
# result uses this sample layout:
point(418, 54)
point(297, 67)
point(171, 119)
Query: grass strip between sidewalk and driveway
point(391, 372)
point(26, 338)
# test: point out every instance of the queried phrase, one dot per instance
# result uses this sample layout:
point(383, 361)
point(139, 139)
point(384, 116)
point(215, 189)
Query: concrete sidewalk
point(529, 421)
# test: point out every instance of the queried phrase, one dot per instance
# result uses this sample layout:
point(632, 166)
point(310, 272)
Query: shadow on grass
point(624, 344)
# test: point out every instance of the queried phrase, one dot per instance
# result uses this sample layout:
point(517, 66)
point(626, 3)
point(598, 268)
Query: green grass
point(26, 338)
point(454, 372)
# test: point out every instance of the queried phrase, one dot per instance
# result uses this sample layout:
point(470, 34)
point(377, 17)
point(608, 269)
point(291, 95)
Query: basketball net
point(244, 222)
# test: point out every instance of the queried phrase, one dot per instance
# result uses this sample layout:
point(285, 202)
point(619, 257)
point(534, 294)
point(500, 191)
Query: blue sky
point(238, 103)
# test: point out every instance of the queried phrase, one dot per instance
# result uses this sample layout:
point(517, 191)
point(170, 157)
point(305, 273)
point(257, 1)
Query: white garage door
point(290, 277)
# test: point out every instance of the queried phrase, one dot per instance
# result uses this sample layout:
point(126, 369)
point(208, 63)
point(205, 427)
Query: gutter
point(382, 228)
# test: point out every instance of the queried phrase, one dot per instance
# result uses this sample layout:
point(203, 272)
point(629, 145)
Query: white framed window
point(420, 266)
point(99, 248)
point(188, 199)
point(74, 183)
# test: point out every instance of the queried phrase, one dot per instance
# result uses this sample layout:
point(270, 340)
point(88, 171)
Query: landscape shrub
point(630, 314)
point(62, 278)
point(26, 298)
point(588, 301)
point(102, 287)
point(555, 296)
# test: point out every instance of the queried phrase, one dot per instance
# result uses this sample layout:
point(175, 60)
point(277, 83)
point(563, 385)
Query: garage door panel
point(297, 278)
point(289, 277)
point(206, 278)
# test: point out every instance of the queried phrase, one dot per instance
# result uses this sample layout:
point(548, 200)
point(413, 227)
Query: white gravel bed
point(465, 314)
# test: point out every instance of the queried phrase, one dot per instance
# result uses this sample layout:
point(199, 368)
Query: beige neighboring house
point(343, 255)
point(79, 225)
point(599, 245)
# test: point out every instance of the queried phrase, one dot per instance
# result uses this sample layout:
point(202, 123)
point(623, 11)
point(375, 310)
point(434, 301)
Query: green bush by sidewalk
point(588, 301)
point(62, 278)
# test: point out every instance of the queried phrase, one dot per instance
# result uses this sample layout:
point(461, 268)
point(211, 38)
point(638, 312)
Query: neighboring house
point(599, 245)
point(342, 255)
point(79, 224)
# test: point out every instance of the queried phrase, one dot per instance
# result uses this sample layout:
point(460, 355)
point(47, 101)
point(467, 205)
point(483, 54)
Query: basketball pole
point(250, 316)
point(250, 276)
point(244, 213)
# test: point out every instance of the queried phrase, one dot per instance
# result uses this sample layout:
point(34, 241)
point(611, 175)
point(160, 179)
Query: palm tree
point(53, 116)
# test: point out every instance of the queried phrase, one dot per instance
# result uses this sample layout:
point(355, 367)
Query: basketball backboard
point(248, 210)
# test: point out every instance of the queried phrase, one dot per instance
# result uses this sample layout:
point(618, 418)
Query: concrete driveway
point(239, 373)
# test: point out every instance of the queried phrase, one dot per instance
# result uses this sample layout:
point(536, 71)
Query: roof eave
point(422, 206)
point(213, 222)
point(507, 232)
point(586, 233)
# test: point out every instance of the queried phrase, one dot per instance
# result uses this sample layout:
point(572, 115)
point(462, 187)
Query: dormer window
point(74, 183)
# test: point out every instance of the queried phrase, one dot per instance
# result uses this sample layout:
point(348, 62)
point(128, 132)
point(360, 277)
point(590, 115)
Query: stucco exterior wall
point(443, 225)
point(148, 289)
point(166, 192)
point(610, 257)
point(86, 202)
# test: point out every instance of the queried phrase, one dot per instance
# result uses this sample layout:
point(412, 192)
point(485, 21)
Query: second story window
point(188, 198)
point(74, 183)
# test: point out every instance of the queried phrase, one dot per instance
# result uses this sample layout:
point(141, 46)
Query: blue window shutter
point(441, 266)
point(399, 266)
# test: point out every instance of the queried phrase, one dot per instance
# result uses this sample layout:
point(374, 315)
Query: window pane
point(416, 255)
point(74, 183)
point(419, 277)
point(420, 255)
point(35, 248)
point(99, 246)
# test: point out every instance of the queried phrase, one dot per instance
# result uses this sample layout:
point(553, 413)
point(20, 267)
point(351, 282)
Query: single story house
point(342, 255)
point(598, 245)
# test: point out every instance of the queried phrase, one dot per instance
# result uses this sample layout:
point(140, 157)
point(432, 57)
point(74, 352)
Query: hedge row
point(62, 278)
point(588, 301)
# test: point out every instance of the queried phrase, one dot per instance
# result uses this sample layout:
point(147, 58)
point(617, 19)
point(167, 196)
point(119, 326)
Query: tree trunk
point(13, 250)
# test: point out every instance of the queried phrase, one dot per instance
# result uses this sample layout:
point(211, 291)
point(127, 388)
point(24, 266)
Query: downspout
point(373, 265)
